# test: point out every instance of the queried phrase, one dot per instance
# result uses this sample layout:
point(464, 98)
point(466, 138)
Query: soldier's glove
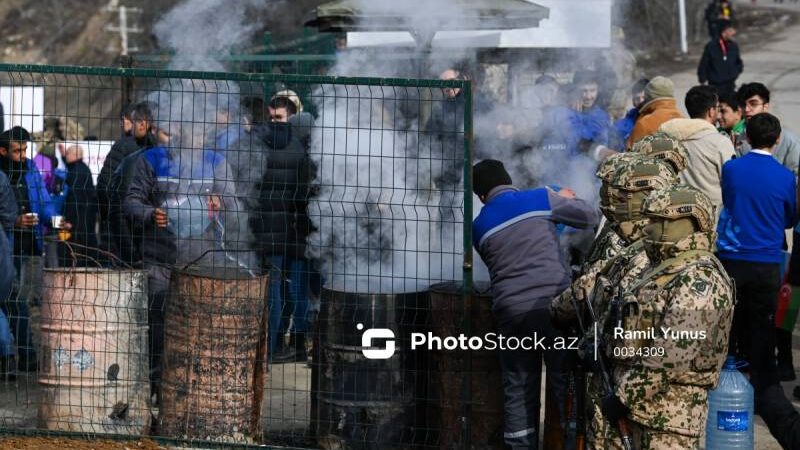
point(613, 408)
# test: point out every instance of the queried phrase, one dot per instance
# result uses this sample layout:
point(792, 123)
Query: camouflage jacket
point(684, 311)
point(607, 246)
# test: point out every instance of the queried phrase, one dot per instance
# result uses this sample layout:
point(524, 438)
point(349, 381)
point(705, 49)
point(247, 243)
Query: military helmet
point(680, 201)
point(663, 146)
point(645, 174)
point(610, 165)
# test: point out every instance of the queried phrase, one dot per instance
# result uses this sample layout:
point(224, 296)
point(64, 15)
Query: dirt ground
point(47, 443)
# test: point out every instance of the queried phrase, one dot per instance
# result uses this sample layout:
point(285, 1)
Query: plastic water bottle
point(730, 411)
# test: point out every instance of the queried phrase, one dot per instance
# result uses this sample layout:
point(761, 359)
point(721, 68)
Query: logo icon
point(376, 333)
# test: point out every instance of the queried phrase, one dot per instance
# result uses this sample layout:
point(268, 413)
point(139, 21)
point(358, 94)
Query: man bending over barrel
point(515, 235)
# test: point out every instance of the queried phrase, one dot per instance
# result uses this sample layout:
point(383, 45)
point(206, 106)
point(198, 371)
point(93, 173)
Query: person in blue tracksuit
point(515, 235)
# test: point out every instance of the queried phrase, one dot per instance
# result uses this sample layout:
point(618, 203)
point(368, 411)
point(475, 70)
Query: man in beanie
point(516, 237)
point(659, 106)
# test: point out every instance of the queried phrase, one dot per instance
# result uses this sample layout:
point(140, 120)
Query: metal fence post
point(467, 269)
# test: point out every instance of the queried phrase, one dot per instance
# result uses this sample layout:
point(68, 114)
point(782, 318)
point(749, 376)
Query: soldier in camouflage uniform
point(661, 381)
point(627, 189)
point(663, 146)
point(607, 245)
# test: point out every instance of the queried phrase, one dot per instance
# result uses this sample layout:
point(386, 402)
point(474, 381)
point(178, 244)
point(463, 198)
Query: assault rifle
point(622, 424)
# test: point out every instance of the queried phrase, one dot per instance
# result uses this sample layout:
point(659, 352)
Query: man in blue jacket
point(34, 207)
point(760, 202)
point(589, 122)
point(515, 235)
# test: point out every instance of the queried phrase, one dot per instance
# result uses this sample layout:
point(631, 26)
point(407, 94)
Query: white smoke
point(202, 31)
point(385, 219)
point(383, 224)
point(203, 115)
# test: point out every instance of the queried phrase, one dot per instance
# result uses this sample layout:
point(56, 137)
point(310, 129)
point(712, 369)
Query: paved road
point(776, 64)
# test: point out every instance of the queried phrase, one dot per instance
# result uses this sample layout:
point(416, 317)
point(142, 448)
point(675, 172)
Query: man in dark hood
point(281, 224)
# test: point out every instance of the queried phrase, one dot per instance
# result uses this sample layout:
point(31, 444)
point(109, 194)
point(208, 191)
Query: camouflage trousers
point(643, 438)
point(603, 435)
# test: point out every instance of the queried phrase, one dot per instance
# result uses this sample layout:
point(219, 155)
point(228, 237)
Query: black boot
point(295, 352)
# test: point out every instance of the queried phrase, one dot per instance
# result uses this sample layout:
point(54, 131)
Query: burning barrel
point(214, 366)
point(447, 314)
point(94, 370)
point(357, 402)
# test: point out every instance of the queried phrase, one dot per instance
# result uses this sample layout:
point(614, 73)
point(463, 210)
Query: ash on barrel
point(94, 366)
point(214, 356)
point(361, 403)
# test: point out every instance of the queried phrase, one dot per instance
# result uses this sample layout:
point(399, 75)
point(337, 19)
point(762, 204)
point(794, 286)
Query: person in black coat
point(80, 210)
point(721, 63)
point(136, 124)
point(8, 216)
point(281, 224)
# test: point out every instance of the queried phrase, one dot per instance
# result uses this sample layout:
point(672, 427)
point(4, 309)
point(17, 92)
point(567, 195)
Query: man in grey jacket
point(754, 99)
point(515, 234)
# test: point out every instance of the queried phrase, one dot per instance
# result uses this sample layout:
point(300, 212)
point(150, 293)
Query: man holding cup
point(34, 209)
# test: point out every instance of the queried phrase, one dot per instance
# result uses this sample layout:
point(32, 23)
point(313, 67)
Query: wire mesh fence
point(232, 268)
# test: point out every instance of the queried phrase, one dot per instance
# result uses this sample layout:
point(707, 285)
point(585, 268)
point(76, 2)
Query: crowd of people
point(692, 206)
point(157, 204)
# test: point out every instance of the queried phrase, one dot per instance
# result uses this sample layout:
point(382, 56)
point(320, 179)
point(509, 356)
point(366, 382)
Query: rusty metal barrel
point(446, 369)
point(360, 403)
point(94, 357)
point(214, 366)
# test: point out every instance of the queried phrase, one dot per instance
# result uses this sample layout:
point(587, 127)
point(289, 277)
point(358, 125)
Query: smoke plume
point(389, 212)
point(202, 31)
point(205, 115)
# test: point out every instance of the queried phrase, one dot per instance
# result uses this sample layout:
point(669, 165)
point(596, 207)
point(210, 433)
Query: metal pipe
point(467, 268)
point(682, 21)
